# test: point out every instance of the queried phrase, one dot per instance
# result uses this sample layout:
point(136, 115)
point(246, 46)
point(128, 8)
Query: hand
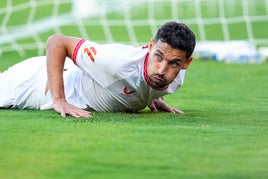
point(160, 105)
point(65, 108)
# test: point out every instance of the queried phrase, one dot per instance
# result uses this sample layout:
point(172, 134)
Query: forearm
point(55, 53)
point(58, 48)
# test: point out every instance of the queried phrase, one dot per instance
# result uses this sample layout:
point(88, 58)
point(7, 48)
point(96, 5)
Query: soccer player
point(78, 75)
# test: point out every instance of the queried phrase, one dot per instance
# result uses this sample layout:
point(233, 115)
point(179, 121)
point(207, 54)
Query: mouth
point(158, 79)
point(157, 82)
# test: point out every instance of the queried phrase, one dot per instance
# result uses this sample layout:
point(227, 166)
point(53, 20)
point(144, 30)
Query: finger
point(63, 114)
point(177, 111)
point(74, 114)
point(167, 108)
point(164, 107)
point(84, 113)
point(152, 107)
point(80, 113)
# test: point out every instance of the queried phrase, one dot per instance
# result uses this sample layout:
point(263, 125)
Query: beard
point(158, 81)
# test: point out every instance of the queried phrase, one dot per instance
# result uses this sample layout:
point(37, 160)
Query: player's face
point(165, 63)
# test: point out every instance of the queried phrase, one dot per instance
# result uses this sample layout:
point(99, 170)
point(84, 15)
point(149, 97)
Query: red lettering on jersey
point(91, 52)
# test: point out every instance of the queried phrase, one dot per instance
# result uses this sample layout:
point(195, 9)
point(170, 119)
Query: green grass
point(223, 134)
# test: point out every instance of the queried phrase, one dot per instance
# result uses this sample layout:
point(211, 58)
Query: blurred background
point(233, 26)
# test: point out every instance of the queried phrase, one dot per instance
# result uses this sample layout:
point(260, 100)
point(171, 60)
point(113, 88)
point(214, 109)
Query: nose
point(162, 68)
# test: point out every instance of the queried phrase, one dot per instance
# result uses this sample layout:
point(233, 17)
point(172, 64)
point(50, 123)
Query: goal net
point(26, 24)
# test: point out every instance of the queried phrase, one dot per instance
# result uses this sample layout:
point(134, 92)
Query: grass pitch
point(223, 134)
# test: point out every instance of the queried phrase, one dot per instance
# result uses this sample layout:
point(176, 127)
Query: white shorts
point(23, 85)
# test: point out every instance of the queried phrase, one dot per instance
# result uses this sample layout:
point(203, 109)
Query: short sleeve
point(102, 62)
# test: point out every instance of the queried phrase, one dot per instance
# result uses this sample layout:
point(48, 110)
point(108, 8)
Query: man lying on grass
point(78, 75)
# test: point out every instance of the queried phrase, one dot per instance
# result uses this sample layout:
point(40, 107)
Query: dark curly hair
point(178, 36)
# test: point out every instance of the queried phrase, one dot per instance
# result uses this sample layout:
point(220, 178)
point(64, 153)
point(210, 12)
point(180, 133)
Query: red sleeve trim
point(78, 45)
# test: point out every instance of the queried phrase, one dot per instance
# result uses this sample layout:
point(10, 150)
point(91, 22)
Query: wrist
point(58, 99)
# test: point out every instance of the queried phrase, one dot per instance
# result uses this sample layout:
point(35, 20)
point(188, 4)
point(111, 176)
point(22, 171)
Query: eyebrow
point(175, 59)
point(158, 51)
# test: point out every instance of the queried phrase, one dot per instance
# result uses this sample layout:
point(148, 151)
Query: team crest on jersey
point(127, 92)
point(91, 53)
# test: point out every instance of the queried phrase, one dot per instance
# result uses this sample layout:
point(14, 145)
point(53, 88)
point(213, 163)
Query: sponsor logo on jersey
point(127, 92)
point(91, 53)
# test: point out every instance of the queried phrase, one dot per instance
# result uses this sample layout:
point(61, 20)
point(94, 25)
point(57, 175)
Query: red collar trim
point(145, 74)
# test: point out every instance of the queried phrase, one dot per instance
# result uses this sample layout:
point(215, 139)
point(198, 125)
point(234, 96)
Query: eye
point(175, 63)
point(158, 57)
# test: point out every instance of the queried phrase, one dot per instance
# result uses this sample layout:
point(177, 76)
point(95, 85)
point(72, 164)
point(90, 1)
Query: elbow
point(55, 43)
point(61, 45)
point(53, 39)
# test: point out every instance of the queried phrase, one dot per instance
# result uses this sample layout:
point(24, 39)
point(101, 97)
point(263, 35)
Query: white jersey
point(111, 77)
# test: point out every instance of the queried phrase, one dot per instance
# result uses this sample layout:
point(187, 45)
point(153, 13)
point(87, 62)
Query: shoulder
point(111, 54)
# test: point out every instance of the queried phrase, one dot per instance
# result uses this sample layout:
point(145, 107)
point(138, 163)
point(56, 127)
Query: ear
point(187, 63)
point(151, 44)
